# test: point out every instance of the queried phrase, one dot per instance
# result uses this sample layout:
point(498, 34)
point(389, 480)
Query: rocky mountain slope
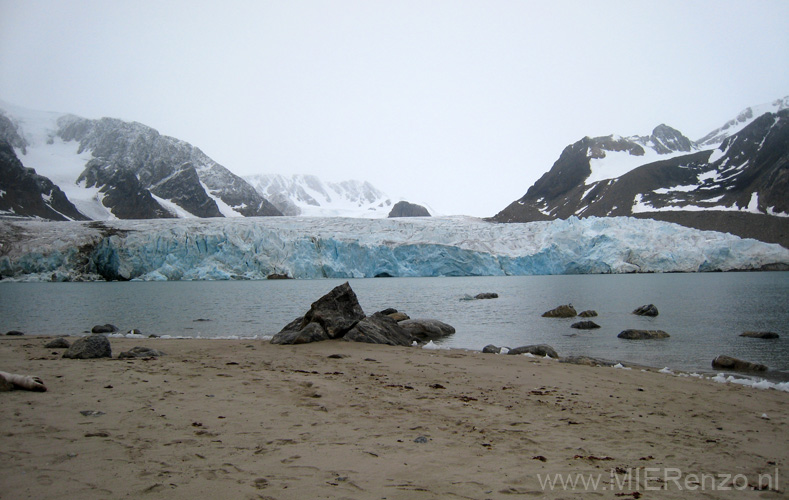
point(109, 168)
point(737, 176)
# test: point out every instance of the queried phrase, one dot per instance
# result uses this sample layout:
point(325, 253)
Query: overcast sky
point(461, 105)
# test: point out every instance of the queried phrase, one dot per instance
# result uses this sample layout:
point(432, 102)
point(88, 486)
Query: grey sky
point(458, 104)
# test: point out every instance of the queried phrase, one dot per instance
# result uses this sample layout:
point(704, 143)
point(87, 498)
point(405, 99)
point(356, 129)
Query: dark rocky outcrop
point(588, 314)
point(379, 329)
point(339, 315)
point(58, 343)
point(760, 335)
point(585, 325)
point(329, 317)
point(565, 311)
point(486, 295)
point(131, 162)
point(124, 194)
point(646, 310)
point(140, 352)
point(536, 350)
point(643, 334)
point(92, 346)
point(406, 209)
point(427, 329)
point(25, 193)
point(108, 328)
point(729, 363)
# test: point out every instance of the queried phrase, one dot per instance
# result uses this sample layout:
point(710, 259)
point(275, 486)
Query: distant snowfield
point(301, 247)
point(311, 196)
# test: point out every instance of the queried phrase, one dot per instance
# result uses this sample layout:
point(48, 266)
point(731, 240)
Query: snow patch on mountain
point(615, 164)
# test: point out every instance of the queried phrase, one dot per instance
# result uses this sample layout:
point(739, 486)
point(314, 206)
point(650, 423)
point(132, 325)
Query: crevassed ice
point(253, 248)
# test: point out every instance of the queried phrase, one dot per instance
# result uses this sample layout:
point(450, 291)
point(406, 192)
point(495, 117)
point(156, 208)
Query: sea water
point(703, 312)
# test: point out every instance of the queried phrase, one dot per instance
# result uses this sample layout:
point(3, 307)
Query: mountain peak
point(109, 168)
point(738, 185)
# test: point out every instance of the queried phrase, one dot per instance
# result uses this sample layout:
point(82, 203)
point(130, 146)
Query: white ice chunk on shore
point(307, 248)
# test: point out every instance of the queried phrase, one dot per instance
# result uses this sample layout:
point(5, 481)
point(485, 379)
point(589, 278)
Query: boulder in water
point(565, 311)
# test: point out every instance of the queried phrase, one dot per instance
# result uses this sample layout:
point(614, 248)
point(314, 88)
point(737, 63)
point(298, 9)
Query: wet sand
point(247, 419)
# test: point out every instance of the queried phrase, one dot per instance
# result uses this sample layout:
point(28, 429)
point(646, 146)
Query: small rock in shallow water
point(643, 334)
point(760, 335)
point(565, 311)
point(585, 325)
point(108, 328)
point(729, 363)
point(646, 310)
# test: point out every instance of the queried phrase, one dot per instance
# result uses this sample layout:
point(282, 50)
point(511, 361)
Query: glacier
point(307, 248)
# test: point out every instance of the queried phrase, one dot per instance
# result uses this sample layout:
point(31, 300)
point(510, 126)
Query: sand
point(247, 419)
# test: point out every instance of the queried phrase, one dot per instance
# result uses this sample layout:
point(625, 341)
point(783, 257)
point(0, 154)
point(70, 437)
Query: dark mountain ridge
point(123, 169)
point(744, 178)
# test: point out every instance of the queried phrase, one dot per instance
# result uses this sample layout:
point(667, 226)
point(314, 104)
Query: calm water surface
point(703, 313)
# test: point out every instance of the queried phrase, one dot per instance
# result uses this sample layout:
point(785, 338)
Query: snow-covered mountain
point(739, 122)
point(109, 168)
point(255, 248)
point(734, 179)
point(308, 195)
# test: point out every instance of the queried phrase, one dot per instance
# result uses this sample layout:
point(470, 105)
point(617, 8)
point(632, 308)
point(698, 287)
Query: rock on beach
point(536, 350)
point(90, 347)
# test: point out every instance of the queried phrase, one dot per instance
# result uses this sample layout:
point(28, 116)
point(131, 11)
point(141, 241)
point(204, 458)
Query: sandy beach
point(247, 419)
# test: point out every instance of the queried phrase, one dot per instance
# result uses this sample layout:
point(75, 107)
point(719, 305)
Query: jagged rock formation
point(110, 168)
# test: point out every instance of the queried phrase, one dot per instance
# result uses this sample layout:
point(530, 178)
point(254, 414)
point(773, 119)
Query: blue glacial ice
point(254, 248)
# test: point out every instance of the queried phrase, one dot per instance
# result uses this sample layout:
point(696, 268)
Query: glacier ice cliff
point(254, 248)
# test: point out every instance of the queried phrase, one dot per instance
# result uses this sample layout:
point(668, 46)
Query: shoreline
point(248, 419)
point(774, 379)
